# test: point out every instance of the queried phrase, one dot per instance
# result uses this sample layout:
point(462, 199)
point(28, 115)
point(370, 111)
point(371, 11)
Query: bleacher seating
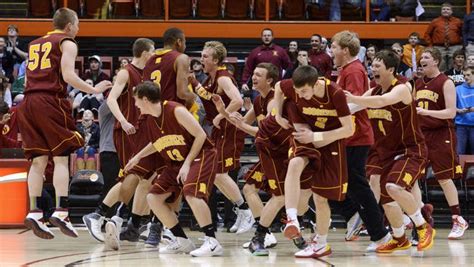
point(40, 8)
point(181, 9)
point(237, 9)
point(151, 8)
point(208, 9)
point(123, 8)
point(260, 8)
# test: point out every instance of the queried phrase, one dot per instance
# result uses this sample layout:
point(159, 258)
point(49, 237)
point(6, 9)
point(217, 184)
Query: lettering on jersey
point(407, 178)
point(319, 112)
point(168, 141)
point(229, 162)
point(321, 123)
point(458, 169)
point(260, 117)
point(427, 94)
point(344, 188)
point(203, 93)
point(272, 184)
point(203, 188)
point(5, 130)
point(257, 176)
point(380, 114)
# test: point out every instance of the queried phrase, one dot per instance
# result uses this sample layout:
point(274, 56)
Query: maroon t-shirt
point(161, 69)
point(353, 78)
point(169, 138)
point(126, 102)
point(269, 54)
point(396, 128)
point(44, 64)
point(430, 96)
point(321, 61)
point(321, 114)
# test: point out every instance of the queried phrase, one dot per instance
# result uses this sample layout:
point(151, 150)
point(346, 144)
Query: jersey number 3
point(34, 56)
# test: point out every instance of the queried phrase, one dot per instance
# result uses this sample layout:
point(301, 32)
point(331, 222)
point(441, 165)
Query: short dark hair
point(459, 52)
point(195, 61)
point(469, 68)
point(141, 45)
point(3, 108)
point(13, 26)
point(266, 29)
point(272, 72)
point(171, 36)
point(63, 16)
point(305, 75)
point(150, 90)
point(317, 35)
point(389, 58)
point(435, 53)
point(414, 34)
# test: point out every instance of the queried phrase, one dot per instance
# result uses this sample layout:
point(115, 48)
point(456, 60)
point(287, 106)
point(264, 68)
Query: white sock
point(292, 214)
point(239, 202)
point(417, 218)
point(398, 232)
point(322, 239)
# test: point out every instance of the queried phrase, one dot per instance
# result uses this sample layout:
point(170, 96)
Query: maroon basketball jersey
point(44, 64)
point(126, 101)
point(161, 69)
point(430, 96)
point(260, 106)
point(321, 114)
point(209, 88)
point(396, 128)
point(270, 131)
point(169, 138)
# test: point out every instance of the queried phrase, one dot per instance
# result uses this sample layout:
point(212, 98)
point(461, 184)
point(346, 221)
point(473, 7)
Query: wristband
point(317, 137)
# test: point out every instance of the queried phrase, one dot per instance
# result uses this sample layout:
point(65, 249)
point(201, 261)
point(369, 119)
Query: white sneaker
point(178, 245)
point(167, 236)
point(292, 229)
point(314, 250)
point(353, 227)
point(60, 219)
point(236, 225)
point(459, 227)
point(209, 248)
point(34, 221)
point(270, 241)
point(93, 222)
point(112, 233)
point(371, 248)
point(144, 231)
point(246, 221)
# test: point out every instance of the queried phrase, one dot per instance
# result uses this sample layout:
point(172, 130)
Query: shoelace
point(456, 227)
point(422, 235)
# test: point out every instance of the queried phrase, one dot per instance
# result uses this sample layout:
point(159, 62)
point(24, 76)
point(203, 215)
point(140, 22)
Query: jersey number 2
point(34, 56)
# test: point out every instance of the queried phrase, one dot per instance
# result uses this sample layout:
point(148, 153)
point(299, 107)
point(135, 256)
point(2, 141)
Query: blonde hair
point(220, 52)
point(348, 39)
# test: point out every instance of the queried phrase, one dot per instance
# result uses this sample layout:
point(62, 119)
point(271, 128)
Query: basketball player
point(272, 144)
point(229, 141)
point(126, 140)
point(44, 119)
point(401, 150)
point(322, 120)
point(436, 101)
point(191, 162)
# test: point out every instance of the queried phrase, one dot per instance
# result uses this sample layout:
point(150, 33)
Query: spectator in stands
point(7, 127)
point(196, 67)
point(267, 52)
point(302, 60)
point(109, 161)
point(124, 62)
point(379, 10)
point(6, 61)
point(369, 57)
point(402, 8)
point(325, 46)
point(468, 33)
point(95, 72)
point(16, 47)
point(445, 33)
point(403, 69)
point(91, 133)
point(292, 52)
point(83, 101)
point(412, 51)
point(18, 86)
point(318, 57)
point(5, 94)
point(470, 60)
point(335, 7)
point(465, 113)
point(456, 72)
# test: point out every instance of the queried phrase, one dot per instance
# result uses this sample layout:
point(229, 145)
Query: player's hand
point(131, 163)
point(236, 118)
point(5, 118)
point(217, 100)
point(103, 86)
point(421, 111)
point(304, 136)
point(282, 122)
point(128, 128)
point(302, 60)
point(183, 173)
point(349, 96)
point(245, 87)
point(217, 120)
point(247, 103)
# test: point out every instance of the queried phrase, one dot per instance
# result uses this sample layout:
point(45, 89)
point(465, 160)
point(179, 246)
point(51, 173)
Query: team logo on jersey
point(229, 162)
point(169, 141)
point(203, 188)
point(6, 129)
point(344, 188)
point(272, 184)
point(257, 176)
point(379, 114)
point(407, 178)
point(427, 94)
point(319, 112)
point(458, 169)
